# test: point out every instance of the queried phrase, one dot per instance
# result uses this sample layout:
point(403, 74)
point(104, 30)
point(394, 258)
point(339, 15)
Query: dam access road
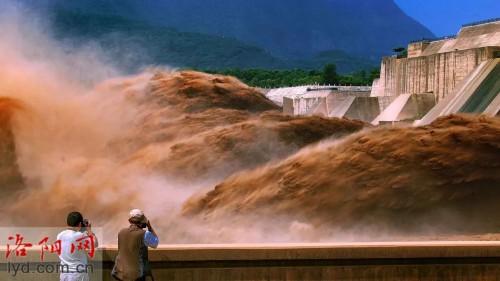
point(402, 261)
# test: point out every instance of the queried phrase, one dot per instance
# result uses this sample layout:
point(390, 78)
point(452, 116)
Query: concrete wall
point(311, 91)
point(437, 74)
point(485, 94)
point(439, 66)
point(354, 107)
point(313, 102)
point(360, 262)
point(288, 108)
point(301, 106)
point(480, 87)
point(416, 49)
point(406, 108)
point(364, 109)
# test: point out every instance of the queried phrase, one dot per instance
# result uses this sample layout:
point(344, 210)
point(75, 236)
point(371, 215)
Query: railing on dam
point(362, 261)
point(481, 22)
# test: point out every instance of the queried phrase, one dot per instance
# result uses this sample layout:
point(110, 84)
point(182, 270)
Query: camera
point(85, 223)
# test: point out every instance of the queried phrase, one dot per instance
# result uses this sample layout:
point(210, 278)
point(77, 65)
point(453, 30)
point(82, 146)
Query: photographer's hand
point(90, 233)
point(150, 228)
point(88, 228)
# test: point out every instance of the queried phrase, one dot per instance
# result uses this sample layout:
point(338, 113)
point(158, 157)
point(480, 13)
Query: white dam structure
point(437, 77)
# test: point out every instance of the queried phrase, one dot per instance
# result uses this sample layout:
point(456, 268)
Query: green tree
point(374, 74)
point(401, 52)
point(329, 75)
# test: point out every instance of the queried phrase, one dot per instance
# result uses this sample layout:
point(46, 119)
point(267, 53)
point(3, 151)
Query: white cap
point(136, 213)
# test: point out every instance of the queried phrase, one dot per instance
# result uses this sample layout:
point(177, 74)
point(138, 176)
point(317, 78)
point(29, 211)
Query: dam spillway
point(476, 94)
point(345, 261)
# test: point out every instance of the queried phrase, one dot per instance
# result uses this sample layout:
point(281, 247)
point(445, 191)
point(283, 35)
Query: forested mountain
point(276, 33)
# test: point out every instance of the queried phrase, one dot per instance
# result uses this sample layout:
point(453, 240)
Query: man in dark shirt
point(132, 263)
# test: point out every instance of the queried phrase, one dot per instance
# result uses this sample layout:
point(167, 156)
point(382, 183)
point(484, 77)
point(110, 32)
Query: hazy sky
point(444, 17)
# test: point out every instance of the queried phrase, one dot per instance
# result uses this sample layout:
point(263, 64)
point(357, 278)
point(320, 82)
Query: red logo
point(20, 247)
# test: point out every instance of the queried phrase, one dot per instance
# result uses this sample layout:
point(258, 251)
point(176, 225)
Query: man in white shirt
point(74, 261)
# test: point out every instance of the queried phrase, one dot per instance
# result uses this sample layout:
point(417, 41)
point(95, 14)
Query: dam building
point(352, 102)
point(454, 74)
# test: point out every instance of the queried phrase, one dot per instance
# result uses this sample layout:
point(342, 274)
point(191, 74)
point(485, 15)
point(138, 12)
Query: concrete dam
point(437, 77)
point(477, 93)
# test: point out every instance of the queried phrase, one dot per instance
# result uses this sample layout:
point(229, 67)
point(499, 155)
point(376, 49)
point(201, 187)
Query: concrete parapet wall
point(369, 261)
point(421, 261)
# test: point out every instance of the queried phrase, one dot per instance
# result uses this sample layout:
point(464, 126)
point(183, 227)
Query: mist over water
point(88, 139)
point(64, 129)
